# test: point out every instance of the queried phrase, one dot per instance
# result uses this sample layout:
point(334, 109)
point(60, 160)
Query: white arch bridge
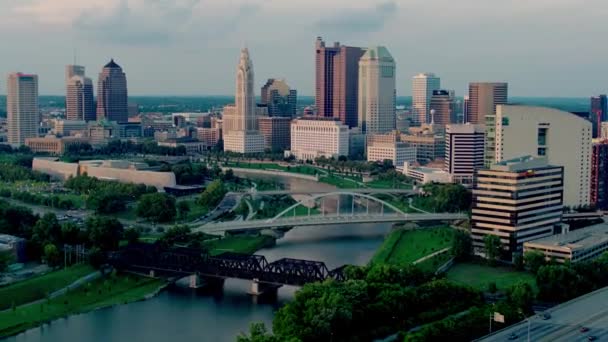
point(290, 218)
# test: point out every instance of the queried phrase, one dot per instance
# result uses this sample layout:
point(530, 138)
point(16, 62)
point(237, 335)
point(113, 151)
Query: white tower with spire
point(240, 121)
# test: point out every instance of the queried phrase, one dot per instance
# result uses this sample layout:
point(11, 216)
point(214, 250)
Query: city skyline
point(172, 37)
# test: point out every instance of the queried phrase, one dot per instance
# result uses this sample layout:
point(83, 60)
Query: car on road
point(583, 329)
point(512, 336)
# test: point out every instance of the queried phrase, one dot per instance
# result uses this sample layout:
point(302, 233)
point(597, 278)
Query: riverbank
point(104, 292)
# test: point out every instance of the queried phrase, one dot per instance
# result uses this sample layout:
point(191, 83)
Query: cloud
point(361, 20)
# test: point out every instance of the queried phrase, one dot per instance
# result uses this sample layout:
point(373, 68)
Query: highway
point(590, 311)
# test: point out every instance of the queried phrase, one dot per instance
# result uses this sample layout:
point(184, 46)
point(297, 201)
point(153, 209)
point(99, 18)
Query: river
point(186, 315)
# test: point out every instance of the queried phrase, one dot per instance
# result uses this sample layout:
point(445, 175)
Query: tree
point(6, 258)
point(131, 235)
point(534, 260)
point(213, 194)
point(461, 245)
point(492, 247)
point(183, 208)
point(257, 333)
point(557, 283)
point(70, 233)
point(156, 207)
point(521, 295)
point(47, 230)
point(51, 255)
point(104, 232)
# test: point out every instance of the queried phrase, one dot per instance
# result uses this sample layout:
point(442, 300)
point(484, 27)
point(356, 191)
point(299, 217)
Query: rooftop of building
point(378, 52)
point(112, 64)
point(583, 238)
point(523, 163)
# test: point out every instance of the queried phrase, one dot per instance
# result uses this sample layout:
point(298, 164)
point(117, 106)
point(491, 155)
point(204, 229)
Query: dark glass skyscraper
point(112, 94)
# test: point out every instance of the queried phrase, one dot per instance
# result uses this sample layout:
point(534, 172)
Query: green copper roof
point(378, 52)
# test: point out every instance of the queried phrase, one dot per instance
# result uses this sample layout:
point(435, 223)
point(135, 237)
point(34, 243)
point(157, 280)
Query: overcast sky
point(191, 47)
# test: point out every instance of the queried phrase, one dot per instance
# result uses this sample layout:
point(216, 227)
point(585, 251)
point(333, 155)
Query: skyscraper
point(112, 103)
point(464, 151)
point(376, 91)
point(243, 135)
point(562, 137)
point(423, 86)
point(280, 99)
point(443, 107)
point(483, 98)
point(599, 113)
point(73, 70)
point(23, 116)
point(79, 101)
point(336, 81)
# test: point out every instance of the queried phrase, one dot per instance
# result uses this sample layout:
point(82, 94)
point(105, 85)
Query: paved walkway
point(431, 255)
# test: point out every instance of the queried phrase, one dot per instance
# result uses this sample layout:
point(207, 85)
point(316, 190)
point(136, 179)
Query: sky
point(191, 47)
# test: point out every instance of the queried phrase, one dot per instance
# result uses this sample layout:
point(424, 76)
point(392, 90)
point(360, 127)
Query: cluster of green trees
point(118, 147)
point(106, 197)
point(445, 198)
point(374, 303)
point(53, 201)
point(213, 194)
point(157, 207)
point(13, 173)
point(187, 173)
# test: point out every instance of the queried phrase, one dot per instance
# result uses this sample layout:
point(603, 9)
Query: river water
point(180, 314)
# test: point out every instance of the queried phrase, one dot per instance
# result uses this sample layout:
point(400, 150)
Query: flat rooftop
point(583, 238)
point(590, 311)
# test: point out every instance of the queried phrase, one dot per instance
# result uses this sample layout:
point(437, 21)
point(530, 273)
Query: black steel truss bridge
point(179, 262)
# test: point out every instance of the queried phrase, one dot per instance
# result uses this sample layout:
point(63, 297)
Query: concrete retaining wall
point(54, 168)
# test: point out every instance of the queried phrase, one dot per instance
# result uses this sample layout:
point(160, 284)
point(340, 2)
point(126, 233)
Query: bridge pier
point(263, 289)
point(194, 281)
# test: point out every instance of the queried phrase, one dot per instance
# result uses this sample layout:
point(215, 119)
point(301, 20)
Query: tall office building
point(377, 91)
point(73, 70)
point(483, 99)
point(112, 103)
point(599, 174)
point(23, 117)
point(243, 135)
point(276, 131)
point(423, 86)
point(562, 137)
point(336, 81)
point(280, 99)
point(79, 103)
point(599, 113)
point(464, 151)
point(443, 107)
point(517, 200)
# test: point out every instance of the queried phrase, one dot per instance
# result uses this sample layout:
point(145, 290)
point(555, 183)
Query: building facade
point(276, 131)
point(68, 127)
point(562, 137)
point(280, 99)
point(23, 117)
point(210, 136)
point(241, 133)
point(52, 144)
point(423, 86)
point(429, 146)
point(79, 102)
point(517, 200)
point(599, 113)
point(443, 107)
point(424, 175)
point(464, 151)
point(376, 91)
point(397, 152)
point(315, 137)
point(599, 175)
point(112, 96)
point(336, 81)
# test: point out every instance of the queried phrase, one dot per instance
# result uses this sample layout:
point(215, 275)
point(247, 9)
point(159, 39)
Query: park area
point(480, 276)
point(406, 246)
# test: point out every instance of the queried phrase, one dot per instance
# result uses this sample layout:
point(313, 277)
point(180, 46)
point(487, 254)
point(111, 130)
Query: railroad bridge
point(178, 262)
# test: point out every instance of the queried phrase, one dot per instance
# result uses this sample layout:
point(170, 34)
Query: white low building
point(313, 137)
point(425, 175)
point(397, 152)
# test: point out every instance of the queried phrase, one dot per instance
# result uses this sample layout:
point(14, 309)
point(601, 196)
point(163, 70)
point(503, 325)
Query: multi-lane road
point(575, 320)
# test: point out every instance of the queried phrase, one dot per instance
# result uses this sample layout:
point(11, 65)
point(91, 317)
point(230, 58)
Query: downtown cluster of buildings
point(524, 163)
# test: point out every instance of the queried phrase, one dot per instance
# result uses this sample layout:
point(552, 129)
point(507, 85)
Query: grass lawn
point(238, 244)
point(406, 246)
point(388, 184)
point(99, 293)
point(480, 275)
point(196, 210)
point(302, 169)
point(36, 288)
point(340, 182)
point(432, 264)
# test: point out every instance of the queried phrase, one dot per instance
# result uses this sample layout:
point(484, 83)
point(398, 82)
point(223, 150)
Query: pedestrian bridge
point(361, 213)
